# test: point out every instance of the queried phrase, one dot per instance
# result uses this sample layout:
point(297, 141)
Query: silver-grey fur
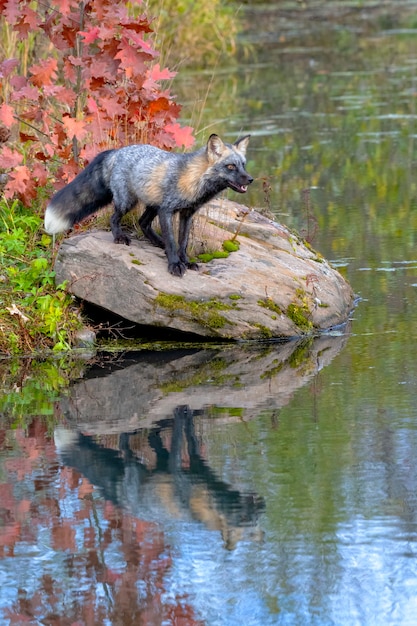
point(163, 182)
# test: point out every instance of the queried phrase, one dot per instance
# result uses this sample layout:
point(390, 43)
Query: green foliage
point(34, 314)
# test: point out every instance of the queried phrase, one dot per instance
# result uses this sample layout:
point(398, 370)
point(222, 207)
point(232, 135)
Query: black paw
point(177, 269)
point(193, 266)
point(122, 238)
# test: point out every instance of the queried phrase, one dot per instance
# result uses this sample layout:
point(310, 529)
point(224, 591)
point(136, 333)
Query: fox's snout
point(240, 183)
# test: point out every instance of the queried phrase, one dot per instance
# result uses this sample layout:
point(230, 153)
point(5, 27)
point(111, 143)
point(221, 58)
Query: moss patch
point(205, 257)
point(266, 332)
point(230, 246)
point(268, 303)
point(298, 314)
point(205, 312)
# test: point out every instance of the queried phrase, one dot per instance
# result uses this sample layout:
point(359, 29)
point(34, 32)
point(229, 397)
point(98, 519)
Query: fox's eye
point(231, 166)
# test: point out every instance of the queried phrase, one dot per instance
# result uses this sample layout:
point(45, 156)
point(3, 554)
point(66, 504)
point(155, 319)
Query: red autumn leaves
point(88, 81)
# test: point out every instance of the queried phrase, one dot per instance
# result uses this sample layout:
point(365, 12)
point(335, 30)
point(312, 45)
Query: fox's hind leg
point(175, 265)
point(183, 235)
point(115, 223)
point(145, 222)
point(123, 202)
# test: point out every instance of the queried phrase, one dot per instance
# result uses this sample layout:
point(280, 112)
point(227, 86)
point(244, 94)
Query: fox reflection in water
point(170, 486)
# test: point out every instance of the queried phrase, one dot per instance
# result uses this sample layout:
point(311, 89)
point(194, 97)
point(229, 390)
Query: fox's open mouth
point(239, 188)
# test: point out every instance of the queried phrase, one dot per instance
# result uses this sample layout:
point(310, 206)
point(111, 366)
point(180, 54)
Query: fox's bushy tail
point(87, 193)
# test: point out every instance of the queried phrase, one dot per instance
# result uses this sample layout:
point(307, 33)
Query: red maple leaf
point(18, 82)
point(141, 43)
point(18, 181)
point(74, 128)
point(10, 158)
point(62, 94)
point(158, 105)
point(40, 173)
point(69, 70)
point(183, 135)
point(156, 73)
point(44, 73)
point(65, 6)
point(26, 137)
point(100, 68)
point(131, 59)
point(27, 92)
point(7, 115)
point(90, 35)
point(112, 107)
point(12, 11)
point(90, 151)
point(28, 22)
point(7, 67)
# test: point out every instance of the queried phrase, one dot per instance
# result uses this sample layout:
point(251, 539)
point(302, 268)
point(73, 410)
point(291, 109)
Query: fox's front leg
point(186, 219)
point(175, 265)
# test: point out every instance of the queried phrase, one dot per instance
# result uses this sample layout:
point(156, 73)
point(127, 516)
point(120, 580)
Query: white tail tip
point(55, 223)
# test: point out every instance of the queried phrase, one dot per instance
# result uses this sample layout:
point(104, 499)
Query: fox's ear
point(242, 144)
point(215, 147)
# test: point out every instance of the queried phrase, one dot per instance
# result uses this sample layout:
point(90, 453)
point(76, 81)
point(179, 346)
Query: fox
point(163, 182)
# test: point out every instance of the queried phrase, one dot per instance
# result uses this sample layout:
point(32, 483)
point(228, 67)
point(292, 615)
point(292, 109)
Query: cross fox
point(164, 182)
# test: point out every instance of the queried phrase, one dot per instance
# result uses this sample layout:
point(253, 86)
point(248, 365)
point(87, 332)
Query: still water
point(260, 485)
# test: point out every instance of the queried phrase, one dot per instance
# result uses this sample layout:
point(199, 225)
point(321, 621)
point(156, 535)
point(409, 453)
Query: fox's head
point(229, 161)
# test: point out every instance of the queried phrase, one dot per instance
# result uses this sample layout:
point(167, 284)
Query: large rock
point(273, 286)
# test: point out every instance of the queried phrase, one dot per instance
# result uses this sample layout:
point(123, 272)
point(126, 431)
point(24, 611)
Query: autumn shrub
point(89, 80)
point(75, 78)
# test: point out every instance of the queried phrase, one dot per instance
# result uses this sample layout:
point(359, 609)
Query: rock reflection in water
point(134, 392)
point(147, 417)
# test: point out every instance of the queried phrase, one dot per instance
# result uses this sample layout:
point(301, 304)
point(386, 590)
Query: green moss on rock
point(299, 315)
point(230, 246)
point(205, 312)
point(268, 303)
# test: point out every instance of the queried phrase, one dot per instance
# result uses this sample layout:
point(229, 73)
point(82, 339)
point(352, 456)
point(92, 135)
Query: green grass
point(35, 315)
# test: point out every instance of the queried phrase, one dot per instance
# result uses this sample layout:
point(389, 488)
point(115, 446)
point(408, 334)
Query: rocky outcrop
point(272, 286)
